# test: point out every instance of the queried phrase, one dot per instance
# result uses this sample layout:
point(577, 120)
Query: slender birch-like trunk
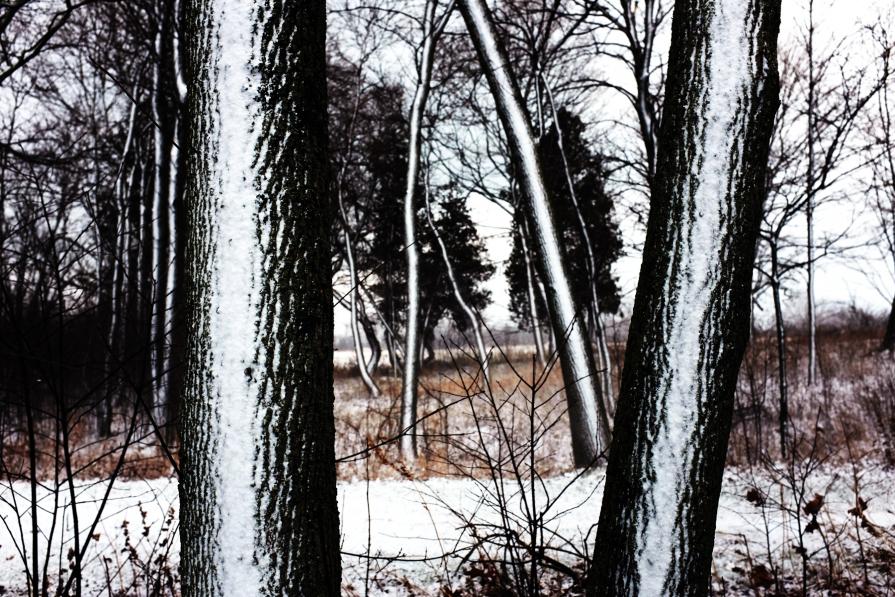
point(587, 413)
point(809, 204)
point(258, 486)
point(780, 328)
point(119, 261)
point(164, 144)
point(410, 383)
point(471, 315)
point(605, 363)
point(540, 349)
point(362, 367)
point(690, 323)
point(354, 290)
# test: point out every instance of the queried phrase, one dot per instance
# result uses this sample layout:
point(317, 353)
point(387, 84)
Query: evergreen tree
point(466, 251)
point(586, 169)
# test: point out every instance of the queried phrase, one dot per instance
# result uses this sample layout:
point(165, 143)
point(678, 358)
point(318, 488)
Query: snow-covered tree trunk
point(258, 487)
point(412, 338)
point(690, 322)
point(599, 334)
point(587, 413)
point(354, 293)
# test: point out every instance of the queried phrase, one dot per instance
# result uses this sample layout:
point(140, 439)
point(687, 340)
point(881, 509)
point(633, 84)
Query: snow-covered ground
point(409, 524)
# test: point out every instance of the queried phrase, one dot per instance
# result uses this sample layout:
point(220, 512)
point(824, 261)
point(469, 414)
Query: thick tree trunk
point(412, 332)
point(690, 322)
point(587, 413)
point(258, 486)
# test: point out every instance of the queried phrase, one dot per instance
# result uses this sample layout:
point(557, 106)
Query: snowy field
point(411, 524)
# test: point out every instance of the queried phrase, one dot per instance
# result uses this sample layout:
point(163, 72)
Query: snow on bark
point(690, 321)
point(410, 383)
point(587, 415)
point(258, 488)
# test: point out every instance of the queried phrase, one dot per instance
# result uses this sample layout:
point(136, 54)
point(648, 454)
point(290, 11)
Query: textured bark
point(258, 488)
point(690, 322)
point(587, 414)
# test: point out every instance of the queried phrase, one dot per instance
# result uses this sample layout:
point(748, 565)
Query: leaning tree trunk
point(690, 322)
point(474, 323)
point(587, 411)
point(412, 334)
point(258, 485)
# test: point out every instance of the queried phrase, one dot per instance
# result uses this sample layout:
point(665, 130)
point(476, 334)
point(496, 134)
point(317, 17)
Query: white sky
point(864, 279)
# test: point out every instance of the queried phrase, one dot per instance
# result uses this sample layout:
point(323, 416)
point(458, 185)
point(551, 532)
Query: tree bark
point(587, 414)
point(412, 334)
point(809, 204)
point(690, 322)
point(258, 487)
point(780, 328)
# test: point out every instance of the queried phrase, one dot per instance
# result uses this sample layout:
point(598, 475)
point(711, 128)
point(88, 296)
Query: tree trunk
point(471, 315)
point(164, 115)
point(540, 349)
point(258, 486)
point(809, 204)
point(412, 332)
point(889, 337)
point(604, 371)
point(372, 365)
point(780, 328)
point(690, 322)
point(587, 413)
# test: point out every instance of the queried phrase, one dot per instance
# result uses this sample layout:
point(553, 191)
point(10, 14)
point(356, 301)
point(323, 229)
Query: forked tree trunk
point(412, 333)
point(690, 322)
point(587, 412)
point(258, 485)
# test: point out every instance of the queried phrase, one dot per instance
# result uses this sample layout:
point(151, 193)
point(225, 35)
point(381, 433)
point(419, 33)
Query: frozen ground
point(412, 523)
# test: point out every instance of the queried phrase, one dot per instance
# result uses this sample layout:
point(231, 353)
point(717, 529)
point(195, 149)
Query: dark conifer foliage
point(586, 169)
